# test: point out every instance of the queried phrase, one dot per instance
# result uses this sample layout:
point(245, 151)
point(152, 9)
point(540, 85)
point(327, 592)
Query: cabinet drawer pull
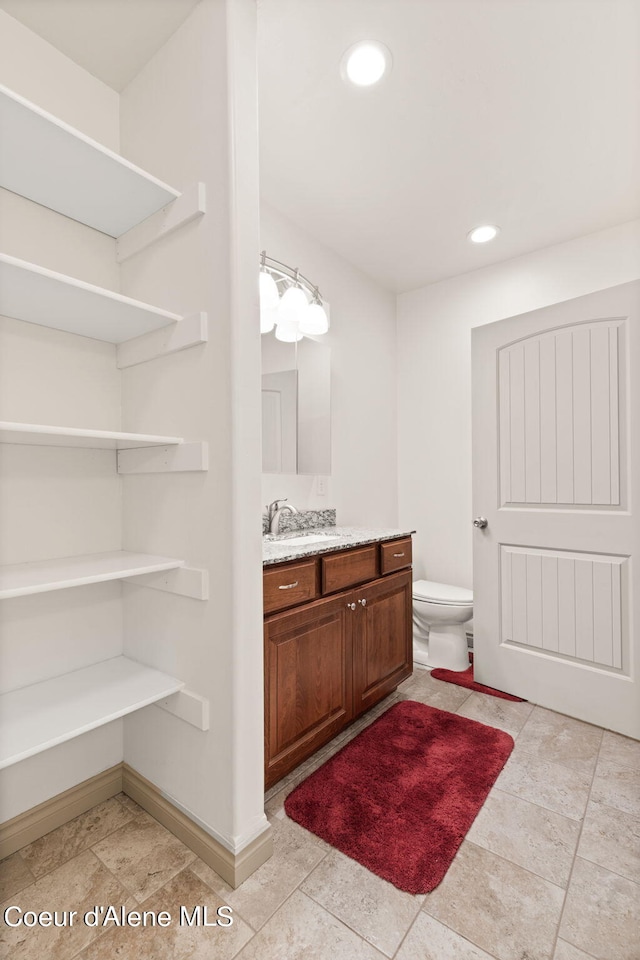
point(398, 555)
point(288, 586)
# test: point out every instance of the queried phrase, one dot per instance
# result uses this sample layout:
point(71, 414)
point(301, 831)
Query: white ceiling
point(111, 39)
point(523, 113)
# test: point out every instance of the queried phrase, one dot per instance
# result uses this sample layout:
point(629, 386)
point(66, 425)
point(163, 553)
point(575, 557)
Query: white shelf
point(48, 161)
point(42, 715)
point(33, 293)
point(21, 579)
point(45, 436)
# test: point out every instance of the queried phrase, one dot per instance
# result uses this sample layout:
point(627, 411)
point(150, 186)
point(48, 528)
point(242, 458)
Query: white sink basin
point(308, 538)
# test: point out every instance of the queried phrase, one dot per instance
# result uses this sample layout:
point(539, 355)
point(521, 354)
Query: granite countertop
point(277, 550)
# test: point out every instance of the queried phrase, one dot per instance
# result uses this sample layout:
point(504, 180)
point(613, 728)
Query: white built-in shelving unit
point(49, 162)
point(45, 714)
point(37, 295)
point(22, 579)
point(41, 435)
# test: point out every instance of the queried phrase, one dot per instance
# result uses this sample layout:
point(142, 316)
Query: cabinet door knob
point(363, 602)
point(351, 606)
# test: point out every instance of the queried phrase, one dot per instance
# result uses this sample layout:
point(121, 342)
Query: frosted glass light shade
point(293, 306)
point(267, 319)
point(288, 332)
point(269, 295)
point(315, 321)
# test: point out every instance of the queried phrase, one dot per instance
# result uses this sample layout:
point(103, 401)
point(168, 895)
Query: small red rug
point(400, 797)
point(464, 678)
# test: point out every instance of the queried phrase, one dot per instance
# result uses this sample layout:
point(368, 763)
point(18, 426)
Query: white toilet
point(439, 614)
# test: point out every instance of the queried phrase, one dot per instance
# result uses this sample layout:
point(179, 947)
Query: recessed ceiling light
point(483, 234)
point(365, 63)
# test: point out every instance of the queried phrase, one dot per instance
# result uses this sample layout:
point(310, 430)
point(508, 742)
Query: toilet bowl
point(439, 614)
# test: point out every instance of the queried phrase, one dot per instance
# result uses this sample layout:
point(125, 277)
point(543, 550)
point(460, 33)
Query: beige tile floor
point(550, 869)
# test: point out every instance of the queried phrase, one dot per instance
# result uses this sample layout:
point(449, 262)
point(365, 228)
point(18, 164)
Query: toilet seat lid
point(441, 593)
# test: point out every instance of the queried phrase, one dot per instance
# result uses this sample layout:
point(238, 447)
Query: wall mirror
point(296, 407)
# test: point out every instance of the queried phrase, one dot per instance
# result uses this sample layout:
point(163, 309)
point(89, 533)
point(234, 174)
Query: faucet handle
point(274, 505)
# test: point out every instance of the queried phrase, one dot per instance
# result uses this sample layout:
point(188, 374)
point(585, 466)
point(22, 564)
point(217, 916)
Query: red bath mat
point(464, 678)
point(400, 797)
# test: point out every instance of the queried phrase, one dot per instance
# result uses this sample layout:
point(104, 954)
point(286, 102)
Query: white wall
point(434, 383)
point(56, 502)
point(190, 115)
point(362, 338)
point(38, 71)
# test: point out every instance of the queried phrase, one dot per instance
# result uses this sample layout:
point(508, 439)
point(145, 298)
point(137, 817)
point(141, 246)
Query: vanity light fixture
point(365, 63)
point(296, 310)
point(483, 234)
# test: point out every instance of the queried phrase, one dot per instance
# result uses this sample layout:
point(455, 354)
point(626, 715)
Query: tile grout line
point(285, 901)
point(446, 925)
point(542, 805)
point(575, 855)
point(531, 803)
point(88, 847)
point(348, 925)
point(408, 931)
point(621, 876)
point(288, 897)
point(512, 863)
point(120, 881)
point(140, 904)
point(102, 932)
point(553, 763)
point(331, 914)
point(219, 896)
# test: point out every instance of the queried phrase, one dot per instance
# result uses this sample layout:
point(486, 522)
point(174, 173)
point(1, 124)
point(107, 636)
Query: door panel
point(556, 472)
point(558, 415)
point(552, 594)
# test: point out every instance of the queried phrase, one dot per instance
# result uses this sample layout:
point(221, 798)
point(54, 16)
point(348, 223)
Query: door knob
point(480, 522)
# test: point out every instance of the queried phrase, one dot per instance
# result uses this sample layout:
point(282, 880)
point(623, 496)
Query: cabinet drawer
point(395, 555)
point(286, 586)
point(341, 570)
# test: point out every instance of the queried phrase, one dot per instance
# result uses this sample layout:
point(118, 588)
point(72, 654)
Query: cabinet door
point(382, 647)
point(308, 681)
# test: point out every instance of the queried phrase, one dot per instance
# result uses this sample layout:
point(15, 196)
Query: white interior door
point(556, 475)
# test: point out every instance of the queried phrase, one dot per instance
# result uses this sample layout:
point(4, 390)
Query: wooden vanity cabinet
point(330, 660)
point(381, 639)
point(308, 682)
point(289, 584)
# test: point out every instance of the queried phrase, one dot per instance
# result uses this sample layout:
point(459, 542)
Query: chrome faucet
point(275, 511)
